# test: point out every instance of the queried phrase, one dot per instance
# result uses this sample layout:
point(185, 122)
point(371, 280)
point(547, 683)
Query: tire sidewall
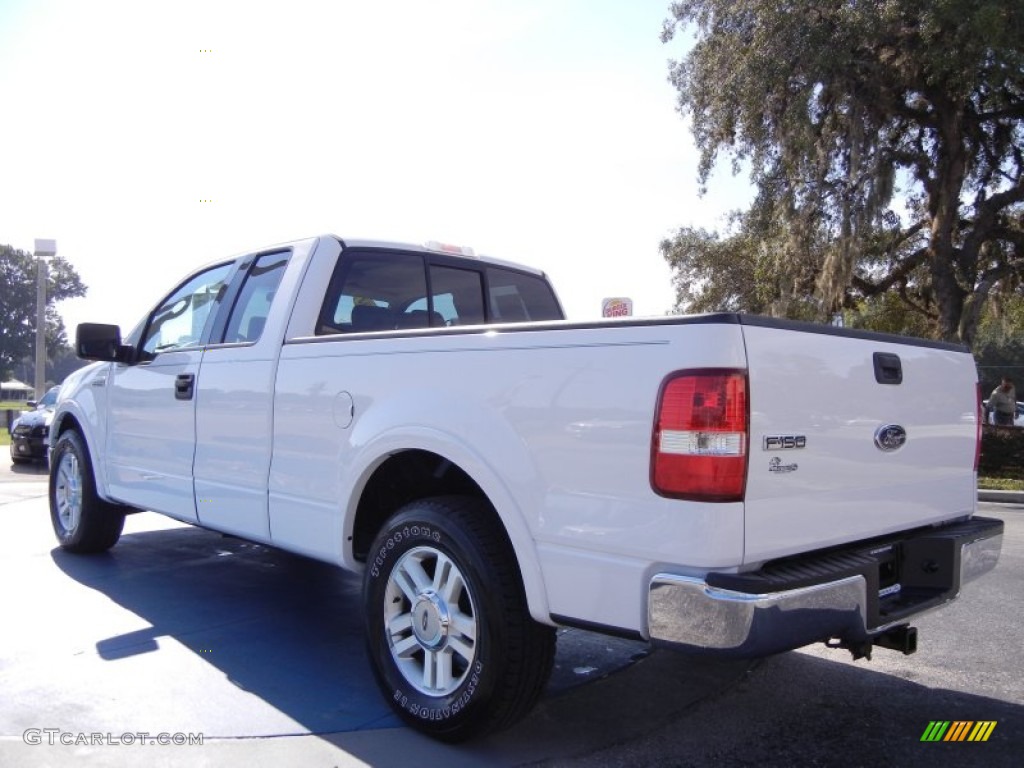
point(421, 526)
point(69, 442)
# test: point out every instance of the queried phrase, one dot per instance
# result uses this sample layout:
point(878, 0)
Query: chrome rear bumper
point(691, 615)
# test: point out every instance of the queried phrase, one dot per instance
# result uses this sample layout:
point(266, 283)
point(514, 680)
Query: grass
point(16, 406)
point(1000, 484)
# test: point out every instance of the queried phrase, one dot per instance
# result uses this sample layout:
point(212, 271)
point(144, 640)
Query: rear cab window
point(384, 290)
point(517, 297)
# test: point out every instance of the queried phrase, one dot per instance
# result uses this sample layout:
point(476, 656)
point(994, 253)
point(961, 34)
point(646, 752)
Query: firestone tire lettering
point(474, 660)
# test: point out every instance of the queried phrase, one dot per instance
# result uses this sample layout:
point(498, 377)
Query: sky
point(148, 138)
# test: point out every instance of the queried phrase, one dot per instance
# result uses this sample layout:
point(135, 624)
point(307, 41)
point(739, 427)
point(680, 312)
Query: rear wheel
point(82, 521)
point(454, 648)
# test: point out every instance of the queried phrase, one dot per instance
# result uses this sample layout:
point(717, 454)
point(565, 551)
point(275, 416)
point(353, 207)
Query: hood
point(36, 417)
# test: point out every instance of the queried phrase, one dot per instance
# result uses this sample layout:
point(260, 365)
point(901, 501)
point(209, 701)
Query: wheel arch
point(68, 421)
point(398, 476)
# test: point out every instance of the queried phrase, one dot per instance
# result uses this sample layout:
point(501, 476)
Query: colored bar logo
point(959, 730)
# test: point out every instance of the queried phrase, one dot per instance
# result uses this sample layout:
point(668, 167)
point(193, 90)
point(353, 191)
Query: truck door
point(151, 437)
point(234, 408)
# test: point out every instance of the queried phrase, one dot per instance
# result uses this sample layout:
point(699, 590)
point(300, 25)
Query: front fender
point(81, 405)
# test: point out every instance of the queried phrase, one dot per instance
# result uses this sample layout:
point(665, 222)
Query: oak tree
point(885, 138)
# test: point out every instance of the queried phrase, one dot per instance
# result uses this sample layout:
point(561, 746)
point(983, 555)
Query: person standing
point(1003, 402)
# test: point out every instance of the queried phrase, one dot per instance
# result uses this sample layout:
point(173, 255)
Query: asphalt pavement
point(185, 632)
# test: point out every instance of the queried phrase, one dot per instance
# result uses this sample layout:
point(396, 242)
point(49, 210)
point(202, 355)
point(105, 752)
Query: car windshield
point(49, 399)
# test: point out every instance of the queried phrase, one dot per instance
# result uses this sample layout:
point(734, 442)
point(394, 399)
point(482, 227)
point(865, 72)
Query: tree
point(18, 308)
point(999, 346)
point(885, 136)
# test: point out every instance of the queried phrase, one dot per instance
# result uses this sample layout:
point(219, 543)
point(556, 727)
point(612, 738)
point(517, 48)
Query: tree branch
point(898, 275)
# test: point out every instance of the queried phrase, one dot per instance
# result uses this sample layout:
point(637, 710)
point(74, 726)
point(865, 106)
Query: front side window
point(180, 319)
point(249, 314)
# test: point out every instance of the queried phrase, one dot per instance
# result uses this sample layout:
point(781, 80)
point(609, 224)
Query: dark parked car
point(30, 432)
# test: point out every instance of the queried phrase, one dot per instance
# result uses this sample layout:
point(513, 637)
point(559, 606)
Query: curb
point(1001, 497)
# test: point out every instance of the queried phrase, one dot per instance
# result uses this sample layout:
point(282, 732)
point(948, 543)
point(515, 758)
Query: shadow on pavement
point(797, 709)
point(240, 640)
point(284, 631)
point(34, 468)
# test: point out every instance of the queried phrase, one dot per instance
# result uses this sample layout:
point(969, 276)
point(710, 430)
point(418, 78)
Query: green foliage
point(18, 308)
point(886, 140)
point(999, 347)
point(1002, 452)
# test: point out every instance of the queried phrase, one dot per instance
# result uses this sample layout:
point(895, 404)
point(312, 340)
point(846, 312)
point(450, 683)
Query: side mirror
point(96, 341)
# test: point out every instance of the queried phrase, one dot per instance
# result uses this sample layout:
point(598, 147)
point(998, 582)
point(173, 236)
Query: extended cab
point(721, 484)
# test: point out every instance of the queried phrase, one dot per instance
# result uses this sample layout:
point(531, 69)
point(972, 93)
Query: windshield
point(49, 399)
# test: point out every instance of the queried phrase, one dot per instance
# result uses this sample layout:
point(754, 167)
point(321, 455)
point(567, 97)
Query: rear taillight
point(699, 446)
point(980, 411)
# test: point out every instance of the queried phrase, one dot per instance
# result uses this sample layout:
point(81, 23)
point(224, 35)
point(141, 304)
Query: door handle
point(888, 368)
point(184, 386)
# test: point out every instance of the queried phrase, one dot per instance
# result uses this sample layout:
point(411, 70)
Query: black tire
point(82, 521)
point(490, 660)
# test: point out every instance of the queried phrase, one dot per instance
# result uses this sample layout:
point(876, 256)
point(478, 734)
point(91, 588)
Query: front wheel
point(453, 645)
point(82, 521)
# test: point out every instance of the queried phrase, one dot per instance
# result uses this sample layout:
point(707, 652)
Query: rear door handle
point(184, 386)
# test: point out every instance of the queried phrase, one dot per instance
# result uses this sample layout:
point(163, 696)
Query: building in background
point(15, 390)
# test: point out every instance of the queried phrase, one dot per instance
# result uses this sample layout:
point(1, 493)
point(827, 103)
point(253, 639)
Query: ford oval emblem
point(890, 438)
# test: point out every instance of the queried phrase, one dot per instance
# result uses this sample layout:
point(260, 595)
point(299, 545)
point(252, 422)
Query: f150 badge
point(784, 442)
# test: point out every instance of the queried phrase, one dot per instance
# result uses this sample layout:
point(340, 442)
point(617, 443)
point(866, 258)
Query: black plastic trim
point(853, 333)
point(602, 629)
point(904, 554)
point(714, 318)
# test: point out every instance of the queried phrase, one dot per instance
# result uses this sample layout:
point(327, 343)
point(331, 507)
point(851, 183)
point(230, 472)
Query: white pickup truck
point(721, 484)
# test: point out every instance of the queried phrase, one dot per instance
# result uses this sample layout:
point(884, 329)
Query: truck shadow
point(280, 627)
point(287, 634)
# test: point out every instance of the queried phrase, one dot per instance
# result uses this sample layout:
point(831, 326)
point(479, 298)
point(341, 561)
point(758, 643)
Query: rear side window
point(515, 297)
point(249, 315)
point(376, 292)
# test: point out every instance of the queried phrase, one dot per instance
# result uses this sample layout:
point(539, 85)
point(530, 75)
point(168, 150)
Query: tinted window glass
point(458, 296)
point(253, 305)
point(376, 292)
point(179, 321)
point(516, 297)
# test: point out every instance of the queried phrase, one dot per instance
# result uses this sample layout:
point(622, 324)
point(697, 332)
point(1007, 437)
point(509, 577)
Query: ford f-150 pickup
point(721, 484)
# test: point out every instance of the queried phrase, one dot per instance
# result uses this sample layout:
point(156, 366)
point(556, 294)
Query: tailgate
point(853, 436)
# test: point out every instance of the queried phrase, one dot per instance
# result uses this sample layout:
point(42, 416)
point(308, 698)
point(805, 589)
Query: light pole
point(44, 250)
